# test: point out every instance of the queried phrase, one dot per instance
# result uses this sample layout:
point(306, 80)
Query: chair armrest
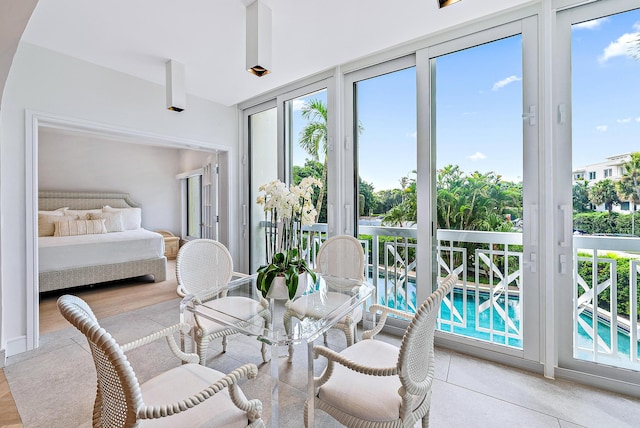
point(239, 275)
point(167, 333)
point(383, 319)
point(230, 381)
point(334, 357)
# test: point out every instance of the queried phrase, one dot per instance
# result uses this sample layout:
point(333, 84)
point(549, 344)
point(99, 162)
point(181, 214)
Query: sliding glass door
point(479, 117)
point(384, 159)
point(599, 126)
point(289, 139)
point(263, 167)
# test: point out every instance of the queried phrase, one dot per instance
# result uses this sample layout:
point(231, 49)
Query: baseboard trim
point(16, 346)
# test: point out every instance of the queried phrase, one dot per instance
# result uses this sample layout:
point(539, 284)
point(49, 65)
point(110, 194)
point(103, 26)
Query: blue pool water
point(513, 309)
point(469, 329)
point(484, 321)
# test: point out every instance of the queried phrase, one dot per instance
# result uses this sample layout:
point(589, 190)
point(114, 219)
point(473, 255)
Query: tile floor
point(54, 385)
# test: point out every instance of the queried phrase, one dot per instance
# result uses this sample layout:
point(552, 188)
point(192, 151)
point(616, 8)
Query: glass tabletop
point(324, 302)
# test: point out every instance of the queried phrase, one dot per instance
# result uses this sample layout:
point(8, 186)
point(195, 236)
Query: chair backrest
point(416, 359)
point(118, 395)
point(202, 264)
point(341, 256)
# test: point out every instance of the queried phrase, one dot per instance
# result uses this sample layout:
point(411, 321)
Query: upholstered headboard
point(50, 200)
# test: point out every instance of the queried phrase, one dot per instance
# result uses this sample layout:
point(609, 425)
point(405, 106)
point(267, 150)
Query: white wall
point(80, 162)
point(56, 84)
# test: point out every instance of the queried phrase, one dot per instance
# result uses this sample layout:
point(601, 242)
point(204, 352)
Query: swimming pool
point(490, 325)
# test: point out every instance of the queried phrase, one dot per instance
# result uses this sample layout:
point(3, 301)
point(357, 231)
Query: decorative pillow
point(113, 221)
point(131, 217)
point(79, 227)
point(46, 222)
point(83, 214)
point(59, 211)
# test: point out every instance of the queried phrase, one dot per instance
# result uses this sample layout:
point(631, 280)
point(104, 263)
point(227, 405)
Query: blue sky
point(479, 99)
point(606, 88)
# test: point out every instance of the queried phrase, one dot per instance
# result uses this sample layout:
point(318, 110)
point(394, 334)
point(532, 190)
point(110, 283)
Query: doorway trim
point(34, 120)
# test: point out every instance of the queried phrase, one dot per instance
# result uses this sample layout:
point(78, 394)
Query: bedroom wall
point(13, 20)
point(79, 162)
point(45, 81)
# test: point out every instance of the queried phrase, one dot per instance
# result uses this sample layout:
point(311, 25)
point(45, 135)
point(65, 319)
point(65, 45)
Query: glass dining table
point(327, 309)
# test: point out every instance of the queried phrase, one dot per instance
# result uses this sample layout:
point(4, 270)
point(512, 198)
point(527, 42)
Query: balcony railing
point(606, 278)
point(487, 302)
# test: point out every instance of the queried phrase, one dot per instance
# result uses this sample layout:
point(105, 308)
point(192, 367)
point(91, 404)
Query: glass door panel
point(263, 150)
point(194, 206)
point(479, 189)
point(605, 82)
point(386, 164)
point(306, 135)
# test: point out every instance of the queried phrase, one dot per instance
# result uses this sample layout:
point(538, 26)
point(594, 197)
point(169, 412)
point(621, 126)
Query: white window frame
point(621, 380)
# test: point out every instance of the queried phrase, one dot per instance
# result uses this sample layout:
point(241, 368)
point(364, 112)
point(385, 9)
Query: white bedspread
point(67, 252)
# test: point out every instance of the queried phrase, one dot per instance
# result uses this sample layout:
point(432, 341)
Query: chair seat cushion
point(315, 305)
point(182, 382)
point(373, 398)
point(240, 307)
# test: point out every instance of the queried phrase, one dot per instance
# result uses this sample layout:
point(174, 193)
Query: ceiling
point(208, 36)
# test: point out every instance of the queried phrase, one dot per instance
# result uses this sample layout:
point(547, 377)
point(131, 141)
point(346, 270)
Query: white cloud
point(625, 120)
point(590, 25)
point(637, 119)
point(297, 104)
point(601, 128)
point(412, 135)
point(504, 82)
point(477, 156)
point(623, 46)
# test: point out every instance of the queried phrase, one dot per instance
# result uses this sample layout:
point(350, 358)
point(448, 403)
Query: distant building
point(613, 169)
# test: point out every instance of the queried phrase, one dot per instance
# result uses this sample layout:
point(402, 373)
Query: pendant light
point(258, 49)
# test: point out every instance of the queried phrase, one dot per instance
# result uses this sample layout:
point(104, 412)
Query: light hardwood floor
point(111, 298)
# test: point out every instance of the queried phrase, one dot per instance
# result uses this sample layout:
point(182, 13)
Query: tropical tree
point(405, 212)
point(367, 197)
point(313, 139)
point(313, 169)
point(387, 199)
point(475, 201)
point(580, 193)
point(604, 192)
point(628, 188)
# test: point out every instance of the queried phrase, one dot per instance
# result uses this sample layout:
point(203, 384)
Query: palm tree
point(629, 186)
point(313, 139)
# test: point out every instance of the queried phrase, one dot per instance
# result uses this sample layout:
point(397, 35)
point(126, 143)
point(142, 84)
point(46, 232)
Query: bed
point(91, 258)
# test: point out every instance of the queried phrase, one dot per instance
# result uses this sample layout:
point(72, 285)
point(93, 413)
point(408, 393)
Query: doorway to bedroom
point(71, 157)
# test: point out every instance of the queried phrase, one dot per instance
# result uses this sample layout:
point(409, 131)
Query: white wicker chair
point(376, 384)
point(203, 264)
point(340, 256)
point(184, 396)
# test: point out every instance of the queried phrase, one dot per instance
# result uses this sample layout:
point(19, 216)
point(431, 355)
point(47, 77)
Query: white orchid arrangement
point(286, 211)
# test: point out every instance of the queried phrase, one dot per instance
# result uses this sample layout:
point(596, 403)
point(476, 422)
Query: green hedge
point(585, 269)
point(603, 222)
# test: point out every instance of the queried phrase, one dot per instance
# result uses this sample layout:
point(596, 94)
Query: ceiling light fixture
point(258, 47)
point(444, 3)
point(176, 89)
